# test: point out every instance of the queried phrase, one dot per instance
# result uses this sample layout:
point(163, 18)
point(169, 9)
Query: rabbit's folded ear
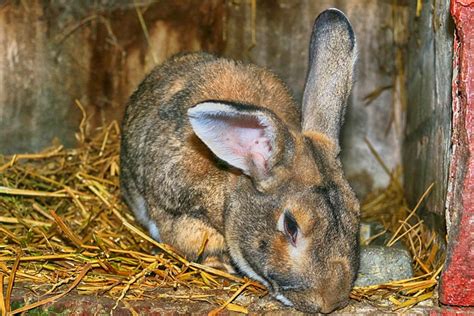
point(332, 55)
point(245, 136)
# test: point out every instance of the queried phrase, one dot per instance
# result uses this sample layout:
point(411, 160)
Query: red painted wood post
point(457, 279)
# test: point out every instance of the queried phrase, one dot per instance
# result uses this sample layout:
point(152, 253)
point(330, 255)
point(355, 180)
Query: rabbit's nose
point(319, 301)
point(312, 301)
point(336, 291)
point(330, 306)
point(326, 294)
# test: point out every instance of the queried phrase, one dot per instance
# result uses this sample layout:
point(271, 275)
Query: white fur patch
point(296, 253)
point(140, 209)
point(154, 231)
point(283, 299)
point(245, 267)
point(281, 219)
point(138, 205)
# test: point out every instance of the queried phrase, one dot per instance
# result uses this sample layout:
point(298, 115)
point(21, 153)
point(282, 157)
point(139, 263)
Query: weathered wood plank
point(427, 144)
point(52, 53)
point(98, 54)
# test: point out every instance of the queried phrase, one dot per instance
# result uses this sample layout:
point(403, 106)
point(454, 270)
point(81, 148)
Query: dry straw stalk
point(64, 228)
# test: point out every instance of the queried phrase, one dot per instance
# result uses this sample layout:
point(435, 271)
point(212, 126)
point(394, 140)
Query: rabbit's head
point(292, 221)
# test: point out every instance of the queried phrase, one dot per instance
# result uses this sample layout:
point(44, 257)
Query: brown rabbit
point(214, 146)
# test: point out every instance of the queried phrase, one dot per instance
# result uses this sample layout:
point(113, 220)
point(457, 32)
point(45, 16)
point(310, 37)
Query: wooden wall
point(52, 53)
point(427, 136)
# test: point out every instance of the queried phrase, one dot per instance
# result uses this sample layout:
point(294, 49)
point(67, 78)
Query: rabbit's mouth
point(314, 298)
point(242, 264)
point(277, 291)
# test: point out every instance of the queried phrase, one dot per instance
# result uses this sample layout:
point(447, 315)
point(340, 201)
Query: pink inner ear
point(260, 150)
point(240, 138)
point(247, 139)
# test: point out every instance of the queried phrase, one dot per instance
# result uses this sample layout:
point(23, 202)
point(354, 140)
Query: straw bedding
point(64, 228)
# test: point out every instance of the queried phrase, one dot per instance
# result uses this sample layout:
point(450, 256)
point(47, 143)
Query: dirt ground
point(76, 304)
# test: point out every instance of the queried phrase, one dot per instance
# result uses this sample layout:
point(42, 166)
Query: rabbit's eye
point(291, 227)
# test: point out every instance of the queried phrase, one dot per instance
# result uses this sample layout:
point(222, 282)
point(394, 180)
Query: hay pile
point(390, 208)
point(63, 228)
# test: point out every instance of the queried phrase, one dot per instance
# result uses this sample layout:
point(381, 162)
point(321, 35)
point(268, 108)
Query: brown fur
point(177, 185)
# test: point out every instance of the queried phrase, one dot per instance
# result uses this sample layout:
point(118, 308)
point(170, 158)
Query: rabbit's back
point(162, 160)
point(185, 80)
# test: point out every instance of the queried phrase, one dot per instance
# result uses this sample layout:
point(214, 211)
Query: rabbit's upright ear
point(247, 137)
point(332, 55)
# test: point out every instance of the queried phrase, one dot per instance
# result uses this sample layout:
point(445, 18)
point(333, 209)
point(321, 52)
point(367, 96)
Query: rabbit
point(216, 148)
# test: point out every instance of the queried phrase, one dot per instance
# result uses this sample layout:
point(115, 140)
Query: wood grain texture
point(52, 53)
point(427, 145)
